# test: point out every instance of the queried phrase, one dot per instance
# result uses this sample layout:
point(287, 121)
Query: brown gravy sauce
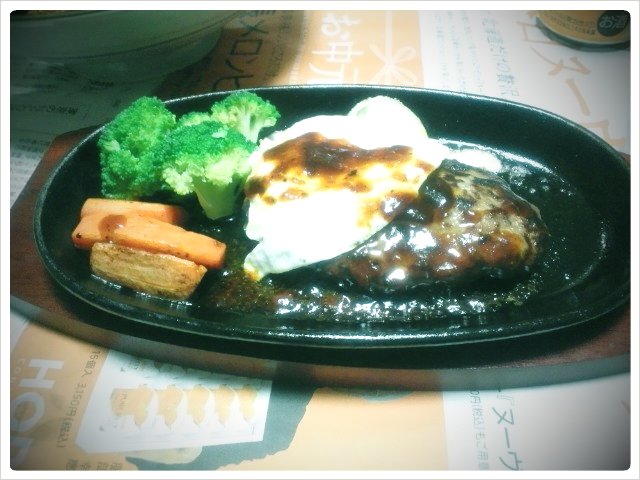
point(333, 164)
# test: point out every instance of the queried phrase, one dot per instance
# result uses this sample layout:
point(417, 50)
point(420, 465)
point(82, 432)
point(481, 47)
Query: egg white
point(328, 221)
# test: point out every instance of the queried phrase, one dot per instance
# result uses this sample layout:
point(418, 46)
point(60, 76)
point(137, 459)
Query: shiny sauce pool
point(303, 295)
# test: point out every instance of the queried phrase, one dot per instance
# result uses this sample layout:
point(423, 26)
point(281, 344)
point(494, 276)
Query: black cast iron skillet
point(580, 184)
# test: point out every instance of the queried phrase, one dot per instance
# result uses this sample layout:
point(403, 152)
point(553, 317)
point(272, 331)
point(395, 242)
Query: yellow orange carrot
point(167, 213)
point(150, 234)
point(155, 236)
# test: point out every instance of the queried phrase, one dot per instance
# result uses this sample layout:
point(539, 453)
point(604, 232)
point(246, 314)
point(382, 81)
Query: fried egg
point(327, 183)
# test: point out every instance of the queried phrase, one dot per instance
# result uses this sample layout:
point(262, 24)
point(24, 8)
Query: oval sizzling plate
point(587, 209)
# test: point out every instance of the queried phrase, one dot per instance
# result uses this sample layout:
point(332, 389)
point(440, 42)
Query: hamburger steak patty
point(465, 224)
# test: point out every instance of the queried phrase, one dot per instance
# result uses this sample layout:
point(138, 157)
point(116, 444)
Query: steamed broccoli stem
point(250, 126)
point(215, 199)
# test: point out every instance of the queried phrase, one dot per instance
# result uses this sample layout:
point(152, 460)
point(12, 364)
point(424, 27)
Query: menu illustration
point(145, 405)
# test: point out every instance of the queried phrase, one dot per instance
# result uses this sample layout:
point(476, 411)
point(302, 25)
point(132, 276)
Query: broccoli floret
point(210, 160)
point(193, 118)
point(246, 112)
point(130, 167)
point(146, 150)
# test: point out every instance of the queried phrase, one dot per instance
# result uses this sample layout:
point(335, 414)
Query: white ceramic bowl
point(118, 44)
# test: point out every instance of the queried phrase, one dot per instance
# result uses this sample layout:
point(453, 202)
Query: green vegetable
point(193, 118)
point(246, 112)
point(145, 150)
point(129, 166)
point(210, 160)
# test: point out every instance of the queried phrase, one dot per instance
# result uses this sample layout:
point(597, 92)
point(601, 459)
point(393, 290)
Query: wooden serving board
point(596, 348)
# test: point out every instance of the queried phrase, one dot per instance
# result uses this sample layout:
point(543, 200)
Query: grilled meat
point(466, 224)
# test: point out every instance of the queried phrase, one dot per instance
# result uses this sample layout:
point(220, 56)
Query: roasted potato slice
point(153, 273)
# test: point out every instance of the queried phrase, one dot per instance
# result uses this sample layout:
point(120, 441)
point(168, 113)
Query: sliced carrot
point(167, 213)
point(89, 231)
point(149, 234)
point(161, 237)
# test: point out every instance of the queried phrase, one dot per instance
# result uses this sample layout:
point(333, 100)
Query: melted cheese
point(327, 183)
